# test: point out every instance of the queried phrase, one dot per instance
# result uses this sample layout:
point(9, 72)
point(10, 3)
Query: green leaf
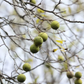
point(40, 10)
point(24, 36)
point(37, 21)
point(63, 11)
point(43, 15)
point(60, 41)
point(35, 81)
point(61, 47)
point(29, 60)
point(69, 9)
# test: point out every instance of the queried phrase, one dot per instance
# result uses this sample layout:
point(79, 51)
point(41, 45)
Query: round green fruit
point(78, 74)
point(44, 36)
point(70, 74)
point(26, 67)
point(60, 58)
point(34, 48)
point(38, 41)
point(33, 1)
point(78, 81)
point(21, 78)
point(55, 25)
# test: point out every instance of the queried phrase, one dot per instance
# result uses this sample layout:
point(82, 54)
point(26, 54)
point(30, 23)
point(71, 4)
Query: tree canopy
point(41, 41)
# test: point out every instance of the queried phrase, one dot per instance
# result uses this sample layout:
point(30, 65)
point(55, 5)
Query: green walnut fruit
point(78, 74)
point(34, 48)
point(26, 67)
point(78, 81)
point(55, 25)
point(70, 74)
point(60, 58)
point(38, 41)
point(21, 78)
point(33, 1)
point(44, 36)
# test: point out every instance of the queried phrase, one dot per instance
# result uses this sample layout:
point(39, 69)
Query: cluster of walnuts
point(77, 75)
point(21, 77)
point(34, 48)
point(42, 37)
